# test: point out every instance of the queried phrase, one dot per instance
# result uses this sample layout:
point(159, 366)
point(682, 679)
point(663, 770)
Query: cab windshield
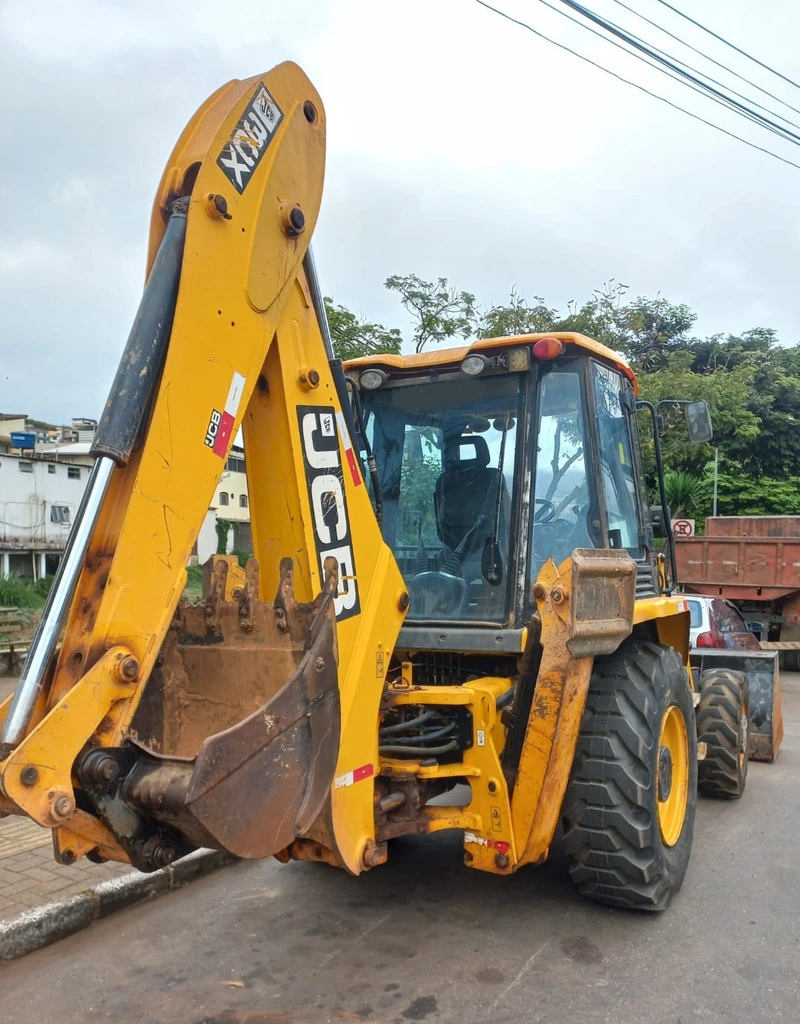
point(447, 456)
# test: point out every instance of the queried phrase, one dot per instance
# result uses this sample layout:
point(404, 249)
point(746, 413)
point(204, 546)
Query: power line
point(744, 53)
point(635, 85)
point(694, 49)
point(621, 34)
point(686, 80)
point(719, 64)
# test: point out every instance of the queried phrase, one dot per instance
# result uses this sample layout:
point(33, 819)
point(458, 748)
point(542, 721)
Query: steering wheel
point(435, 594)
point(547, 511)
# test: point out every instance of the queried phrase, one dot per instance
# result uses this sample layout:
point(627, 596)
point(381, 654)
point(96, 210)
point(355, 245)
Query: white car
point(715, 622)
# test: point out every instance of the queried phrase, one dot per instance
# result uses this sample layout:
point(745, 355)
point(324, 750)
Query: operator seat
point(465, 491)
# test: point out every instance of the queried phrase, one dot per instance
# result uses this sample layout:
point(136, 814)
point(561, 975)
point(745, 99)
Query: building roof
point(70, 448)
point(13, 415)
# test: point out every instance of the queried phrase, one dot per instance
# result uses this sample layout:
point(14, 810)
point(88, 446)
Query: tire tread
point(722, 692)
point(611, 832)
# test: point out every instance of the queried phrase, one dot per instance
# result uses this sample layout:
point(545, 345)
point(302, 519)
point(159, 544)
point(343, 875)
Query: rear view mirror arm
point(687, 405)
point(662, 491)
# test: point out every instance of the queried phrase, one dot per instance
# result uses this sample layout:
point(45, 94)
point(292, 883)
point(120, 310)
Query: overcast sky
point(459, 145)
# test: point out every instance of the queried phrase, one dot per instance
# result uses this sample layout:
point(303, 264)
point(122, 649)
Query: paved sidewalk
point(29, 876)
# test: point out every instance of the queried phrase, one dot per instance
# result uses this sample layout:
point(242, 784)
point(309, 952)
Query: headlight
point(474, 364)
point(372, 379)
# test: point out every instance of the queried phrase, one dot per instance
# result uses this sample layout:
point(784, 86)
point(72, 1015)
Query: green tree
point(438, 310)
point(354, 336)
point(770, 396)
point(750, 381)
point(739, 494)
point(600, 316)
point(655, 328)
point(646, 330)
point(727, 395)
point(517, 317)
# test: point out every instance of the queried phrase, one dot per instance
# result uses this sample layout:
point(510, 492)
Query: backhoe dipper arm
point(243, 724)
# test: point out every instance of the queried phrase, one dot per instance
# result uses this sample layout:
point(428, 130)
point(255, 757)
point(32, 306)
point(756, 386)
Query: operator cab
point(492, 460)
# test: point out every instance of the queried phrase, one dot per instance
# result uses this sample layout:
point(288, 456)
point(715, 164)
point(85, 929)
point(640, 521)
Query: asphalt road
point(426, 939)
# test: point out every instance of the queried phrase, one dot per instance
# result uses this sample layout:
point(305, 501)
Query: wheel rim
point(672, 787)
point(742, 735)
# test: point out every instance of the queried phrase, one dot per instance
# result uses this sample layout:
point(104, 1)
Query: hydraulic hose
point(422, 751)
point(389, 730)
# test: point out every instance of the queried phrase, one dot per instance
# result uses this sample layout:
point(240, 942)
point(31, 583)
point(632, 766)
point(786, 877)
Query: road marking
point(358, 938)
point(513, 984)
point(373, 927)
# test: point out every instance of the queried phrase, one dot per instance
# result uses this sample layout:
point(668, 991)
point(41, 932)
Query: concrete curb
point(39, 927)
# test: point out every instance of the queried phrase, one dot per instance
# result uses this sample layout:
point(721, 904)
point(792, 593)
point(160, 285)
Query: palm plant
point(683, 492)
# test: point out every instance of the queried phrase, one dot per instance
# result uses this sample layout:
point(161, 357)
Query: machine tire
point(722, 717)
point(612, 813)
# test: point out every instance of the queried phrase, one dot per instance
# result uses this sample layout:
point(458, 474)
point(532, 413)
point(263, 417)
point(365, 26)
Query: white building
point(76, 452)
point(230, 505)
point(38, 502)
point(40, 494)
point(231, 500)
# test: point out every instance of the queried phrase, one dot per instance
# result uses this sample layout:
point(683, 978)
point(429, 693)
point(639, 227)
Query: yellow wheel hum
point(673, 775)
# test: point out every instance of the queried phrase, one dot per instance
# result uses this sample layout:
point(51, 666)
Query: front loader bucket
point(763, 676)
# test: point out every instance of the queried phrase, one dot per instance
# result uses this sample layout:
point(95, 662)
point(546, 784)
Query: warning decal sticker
point(220, 425)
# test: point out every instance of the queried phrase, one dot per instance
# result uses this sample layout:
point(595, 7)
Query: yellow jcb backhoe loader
point(455, 580)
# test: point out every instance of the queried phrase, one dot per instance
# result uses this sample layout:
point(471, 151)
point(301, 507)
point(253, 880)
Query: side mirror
point(698, 421)
point(660, 527)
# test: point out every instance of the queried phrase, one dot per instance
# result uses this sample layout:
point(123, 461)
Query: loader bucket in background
point(763, 676)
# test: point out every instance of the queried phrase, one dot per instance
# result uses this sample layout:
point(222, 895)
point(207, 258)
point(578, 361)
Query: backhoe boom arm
point(231, 339)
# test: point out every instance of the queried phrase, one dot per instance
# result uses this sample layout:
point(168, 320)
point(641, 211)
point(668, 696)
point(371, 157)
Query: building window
point(242, 501)
point(223, 498)
point(235, 464)
point(73, 472)
point(51, 467)
point(25, 467)
point(59, 513)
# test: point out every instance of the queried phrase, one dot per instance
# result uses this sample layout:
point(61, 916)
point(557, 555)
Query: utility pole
point(716, 478)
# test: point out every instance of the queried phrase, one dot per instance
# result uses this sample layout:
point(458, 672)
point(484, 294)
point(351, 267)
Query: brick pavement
point(29, 876)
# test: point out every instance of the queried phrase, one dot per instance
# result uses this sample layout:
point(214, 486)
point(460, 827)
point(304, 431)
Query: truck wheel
point(722, 717)
point(630, 803)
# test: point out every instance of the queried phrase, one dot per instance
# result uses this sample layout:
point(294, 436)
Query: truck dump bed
point(742, 558)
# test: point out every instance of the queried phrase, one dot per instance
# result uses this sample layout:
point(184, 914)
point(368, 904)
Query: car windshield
point(446, 453)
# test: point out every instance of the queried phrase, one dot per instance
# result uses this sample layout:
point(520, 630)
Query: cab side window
point(560, 519)
point(617, 466)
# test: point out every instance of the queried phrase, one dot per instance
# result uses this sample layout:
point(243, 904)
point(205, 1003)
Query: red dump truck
point(753, 561)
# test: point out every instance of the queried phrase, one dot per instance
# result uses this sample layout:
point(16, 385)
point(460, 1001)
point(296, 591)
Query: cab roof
point(436, 357)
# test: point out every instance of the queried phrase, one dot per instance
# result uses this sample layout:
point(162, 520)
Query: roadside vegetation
point(20, 592)
point(751, 381)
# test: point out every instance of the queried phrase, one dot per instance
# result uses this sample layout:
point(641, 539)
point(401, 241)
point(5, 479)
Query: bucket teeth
point(247, 692)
